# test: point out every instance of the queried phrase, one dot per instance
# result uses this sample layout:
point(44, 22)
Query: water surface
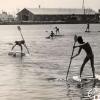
point(42, 74)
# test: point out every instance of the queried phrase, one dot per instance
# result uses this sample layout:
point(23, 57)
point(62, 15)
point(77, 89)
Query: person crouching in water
point(19, 43)
point(89, 54)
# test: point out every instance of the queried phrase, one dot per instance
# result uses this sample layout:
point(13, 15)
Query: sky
point(12, 6)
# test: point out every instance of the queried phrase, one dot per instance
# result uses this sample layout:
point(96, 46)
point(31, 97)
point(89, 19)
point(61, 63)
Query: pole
point(83, 7)
point(19, 28)
point(75, 39)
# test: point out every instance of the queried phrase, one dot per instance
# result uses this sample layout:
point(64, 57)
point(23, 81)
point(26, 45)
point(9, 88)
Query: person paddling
point(52, 34)
point(57, 30)
point(89, 54)
point(88, 27)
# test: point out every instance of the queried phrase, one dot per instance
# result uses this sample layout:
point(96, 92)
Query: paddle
point(75, 40)
point(19, 28)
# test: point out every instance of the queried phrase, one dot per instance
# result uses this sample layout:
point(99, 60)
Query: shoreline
point(34, 23)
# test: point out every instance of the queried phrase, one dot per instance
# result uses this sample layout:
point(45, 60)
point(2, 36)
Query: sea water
point(41, 75)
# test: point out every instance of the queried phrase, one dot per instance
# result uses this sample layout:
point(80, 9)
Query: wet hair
point(79, 39)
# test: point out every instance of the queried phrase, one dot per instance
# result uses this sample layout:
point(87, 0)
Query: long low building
point(58, 15)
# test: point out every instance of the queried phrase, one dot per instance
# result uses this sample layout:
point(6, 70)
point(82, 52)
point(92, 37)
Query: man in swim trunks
point(89, 54)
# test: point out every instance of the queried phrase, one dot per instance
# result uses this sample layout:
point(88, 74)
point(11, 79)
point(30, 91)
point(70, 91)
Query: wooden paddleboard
point(16, 53)
point(78, 79)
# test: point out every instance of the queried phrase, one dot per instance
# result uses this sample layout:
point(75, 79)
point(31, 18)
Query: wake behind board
point(78, 79)
point(16, 53)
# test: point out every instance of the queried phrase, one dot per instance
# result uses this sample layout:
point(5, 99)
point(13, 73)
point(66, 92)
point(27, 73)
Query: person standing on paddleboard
point(89, 54)
point(88, 27)
point(57, 30)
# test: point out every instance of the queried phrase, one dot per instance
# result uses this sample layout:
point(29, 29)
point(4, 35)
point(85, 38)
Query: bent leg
point(85, 61)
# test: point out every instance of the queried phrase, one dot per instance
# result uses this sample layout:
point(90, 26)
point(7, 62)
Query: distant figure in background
point(52, 34)
point(88, 27)
point(19, 43)
point(89, 54)
point(57, 30)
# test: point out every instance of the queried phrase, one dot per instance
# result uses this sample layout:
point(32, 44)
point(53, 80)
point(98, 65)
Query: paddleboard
point(48, 37)
point(87, 31)
point(59, 35)
point(78, 79)
point(16, 53)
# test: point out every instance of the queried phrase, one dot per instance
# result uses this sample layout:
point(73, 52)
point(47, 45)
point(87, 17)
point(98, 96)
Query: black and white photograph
point(49, 50)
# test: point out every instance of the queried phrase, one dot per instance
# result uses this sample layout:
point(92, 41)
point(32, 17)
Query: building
point(57, 15)
point(4, 17)
point(99, 14)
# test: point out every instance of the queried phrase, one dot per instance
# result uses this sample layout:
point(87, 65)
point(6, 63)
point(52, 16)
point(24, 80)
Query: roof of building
point(58, 11)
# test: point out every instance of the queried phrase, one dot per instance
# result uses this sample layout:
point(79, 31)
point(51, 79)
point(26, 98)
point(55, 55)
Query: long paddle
point(19, 28)
point(75, 39)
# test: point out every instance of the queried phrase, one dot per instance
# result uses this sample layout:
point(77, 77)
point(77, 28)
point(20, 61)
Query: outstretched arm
point(77, 53)
point(80, 45)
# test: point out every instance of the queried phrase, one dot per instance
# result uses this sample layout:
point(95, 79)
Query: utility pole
point(83, 7)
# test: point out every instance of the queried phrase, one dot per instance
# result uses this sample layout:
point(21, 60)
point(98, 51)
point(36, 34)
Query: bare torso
point(87, 48)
